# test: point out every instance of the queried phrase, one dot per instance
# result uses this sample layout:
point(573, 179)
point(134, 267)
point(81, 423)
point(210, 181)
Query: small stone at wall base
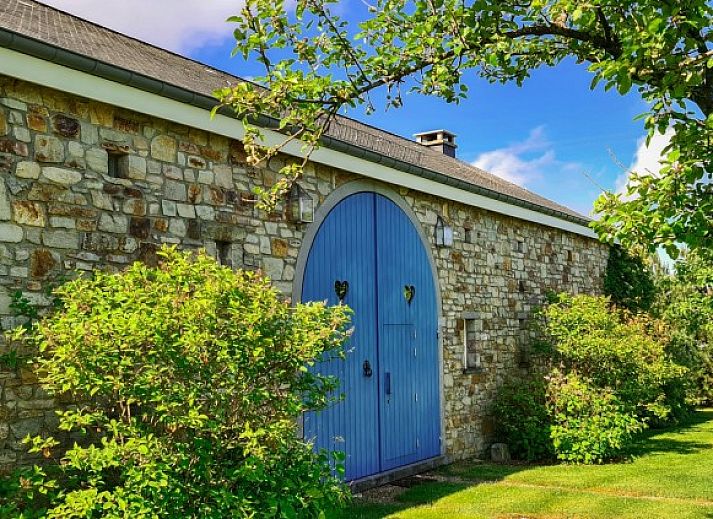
point(499, 453)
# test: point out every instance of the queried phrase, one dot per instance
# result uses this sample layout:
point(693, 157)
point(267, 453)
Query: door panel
point(344, 250)
point(399, 409)
point(403, 266)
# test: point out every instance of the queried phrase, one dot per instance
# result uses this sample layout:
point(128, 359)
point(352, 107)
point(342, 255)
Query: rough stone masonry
point(84, 185)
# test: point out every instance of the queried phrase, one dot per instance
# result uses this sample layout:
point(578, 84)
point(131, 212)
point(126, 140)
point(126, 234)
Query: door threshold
point(384, 478)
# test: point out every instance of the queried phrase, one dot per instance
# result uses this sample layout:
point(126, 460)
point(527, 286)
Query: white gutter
point(51, 75)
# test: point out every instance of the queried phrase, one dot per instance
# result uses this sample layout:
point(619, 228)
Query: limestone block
point(42, 262)
point(26, 212)
point(60, 239)
point(5, 212)
point(223, 176)
point(133, 167)
point(3, 123)
point(101, 200)
point(164, 148)
point(10, 233)
point(114, 223)
point(168, 208)
point(61, 176)
point(186, 210)
point(175, 190)
point(22, 134)
point(205, 212)
point(273, 267)
point(27, 169)
point(48, 149)
point(177, 227)
point(37, 118)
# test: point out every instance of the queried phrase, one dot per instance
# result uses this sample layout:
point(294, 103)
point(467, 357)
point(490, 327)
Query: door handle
point(387, 383)
point(366, 368)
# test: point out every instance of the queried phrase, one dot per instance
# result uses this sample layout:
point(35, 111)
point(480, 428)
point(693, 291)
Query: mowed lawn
point(670, 475)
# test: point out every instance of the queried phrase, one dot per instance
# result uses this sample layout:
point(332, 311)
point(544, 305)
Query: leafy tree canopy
point(315, 64)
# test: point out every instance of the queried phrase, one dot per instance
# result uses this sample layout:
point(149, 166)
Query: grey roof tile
point(49, 25)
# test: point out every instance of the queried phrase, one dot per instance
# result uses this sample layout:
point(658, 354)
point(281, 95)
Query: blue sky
point(553, 135)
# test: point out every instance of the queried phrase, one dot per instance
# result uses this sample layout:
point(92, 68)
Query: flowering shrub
point(191, 378)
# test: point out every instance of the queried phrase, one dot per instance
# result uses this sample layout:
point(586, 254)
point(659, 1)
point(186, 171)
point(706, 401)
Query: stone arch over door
point(368, 234)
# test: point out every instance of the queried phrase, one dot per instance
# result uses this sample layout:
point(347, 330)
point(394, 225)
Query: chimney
point(441, 140)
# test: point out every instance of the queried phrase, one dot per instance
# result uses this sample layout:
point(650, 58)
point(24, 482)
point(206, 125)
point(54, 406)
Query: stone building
point(108, 151)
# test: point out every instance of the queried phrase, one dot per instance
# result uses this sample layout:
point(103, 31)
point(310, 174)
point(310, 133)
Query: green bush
point(628, 282)
point(522, 419)
point(620, 352)
point(685, 303)
point(191, 378)
point(604, 376)
point(588, 424)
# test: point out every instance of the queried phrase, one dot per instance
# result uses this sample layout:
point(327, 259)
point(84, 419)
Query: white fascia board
point(58, 77)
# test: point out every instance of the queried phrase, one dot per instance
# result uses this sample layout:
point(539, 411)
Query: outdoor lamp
point(444, 233)
point(300, 205)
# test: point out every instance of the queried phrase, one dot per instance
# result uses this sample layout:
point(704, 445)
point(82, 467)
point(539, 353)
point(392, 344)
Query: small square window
point(224, 253)
point(113, 165)
point(472, 360)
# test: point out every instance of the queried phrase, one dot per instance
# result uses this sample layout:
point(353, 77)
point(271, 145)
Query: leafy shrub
point(191, 378)
point(522, 419)
point(623, 353)
point(588, 424)
point(685, 304)
point(628, 282)
point(604, 376)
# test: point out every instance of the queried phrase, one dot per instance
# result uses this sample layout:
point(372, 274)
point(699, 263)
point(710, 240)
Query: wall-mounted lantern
point(444, 233)
point(300, 206)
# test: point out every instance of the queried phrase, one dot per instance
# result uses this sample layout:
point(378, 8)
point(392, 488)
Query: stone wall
point(86, 185)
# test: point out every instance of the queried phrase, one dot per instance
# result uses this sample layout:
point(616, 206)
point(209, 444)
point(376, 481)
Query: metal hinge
point(415, 395)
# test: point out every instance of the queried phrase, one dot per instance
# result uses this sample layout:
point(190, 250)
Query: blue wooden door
point(391, 418)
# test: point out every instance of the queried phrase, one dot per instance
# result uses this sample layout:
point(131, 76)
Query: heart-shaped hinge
point(409, 292)
point(341, 288)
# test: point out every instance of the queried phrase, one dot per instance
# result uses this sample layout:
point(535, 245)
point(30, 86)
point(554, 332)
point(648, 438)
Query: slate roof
point(54, 27)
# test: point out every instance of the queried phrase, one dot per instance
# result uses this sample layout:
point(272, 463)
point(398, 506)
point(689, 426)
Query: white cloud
point(177, 25)
point(523, 162)
point(646, 159)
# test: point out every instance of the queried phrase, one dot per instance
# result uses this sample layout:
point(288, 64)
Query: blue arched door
point(368, 252)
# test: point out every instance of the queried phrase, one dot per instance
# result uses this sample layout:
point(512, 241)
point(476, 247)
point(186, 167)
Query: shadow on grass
point(653, 441)
point(461, 476)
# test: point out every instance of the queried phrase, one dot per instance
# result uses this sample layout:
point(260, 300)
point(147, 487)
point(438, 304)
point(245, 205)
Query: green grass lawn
point(669, 476)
